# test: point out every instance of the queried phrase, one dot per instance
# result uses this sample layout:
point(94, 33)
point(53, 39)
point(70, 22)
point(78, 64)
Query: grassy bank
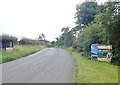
point(88, 71)
point(18, 52)
point(0, 56)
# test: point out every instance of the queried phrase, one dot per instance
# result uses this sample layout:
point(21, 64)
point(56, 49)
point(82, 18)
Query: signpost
point(101, 52)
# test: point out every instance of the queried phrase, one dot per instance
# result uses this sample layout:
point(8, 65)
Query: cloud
point(30, 17)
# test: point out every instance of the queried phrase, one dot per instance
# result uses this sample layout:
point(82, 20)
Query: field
point(18, 52)
point(88, 71)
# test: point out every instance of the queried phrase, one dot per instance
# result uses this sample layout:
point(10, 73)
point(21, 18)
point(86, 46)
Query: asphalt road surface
point(50, 65)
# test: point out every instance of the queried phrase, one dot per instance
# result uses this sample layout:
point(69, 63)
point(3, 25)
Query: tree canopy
point(94, 24)
point(85, 13)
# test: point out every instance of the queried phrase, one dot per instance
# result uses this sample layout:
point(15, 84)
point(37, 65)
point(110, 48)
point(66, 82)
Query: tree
point(108, 17)
point(9, 37)
point(85, 14)
point(53, 43)
point(104, 29)
point(41, 37)
point(66, 38)
point(27, 41)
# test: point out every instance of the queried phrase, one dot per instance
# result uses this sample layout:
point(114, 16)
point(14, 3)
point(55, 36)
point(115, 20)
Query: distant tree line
point(94, 24)
point(9, 37)
point(66, 38)
point(23, 41)
point(27, 41)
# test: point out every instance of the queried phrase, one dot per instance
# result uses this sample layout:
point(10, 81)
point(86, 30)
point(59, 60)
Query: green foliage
point(85, 13)
point(41, 37)
point(47, 43)
point(27, 41)
point(43, 41)
point(53, 43)
point(109, 19)
point(66, 38)
point(104, 29)
point(95, 23)
point(9, 37)
point(88, 71)
point(18, 52)
point(87, 37)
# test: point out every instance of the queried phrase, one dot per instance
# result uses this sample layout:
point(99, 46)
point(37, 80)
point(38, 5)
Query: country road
point(50, 65)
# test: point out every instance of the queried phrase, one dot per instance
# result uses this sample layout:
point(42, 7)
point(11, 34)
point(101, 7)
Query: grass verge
point(88, 71)
point(18, 52)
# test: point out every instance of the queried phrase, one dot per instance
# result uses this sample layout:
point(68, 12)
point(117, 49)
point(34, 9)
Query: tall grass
point(88, 71)
point(0, 56)
point(18, 52)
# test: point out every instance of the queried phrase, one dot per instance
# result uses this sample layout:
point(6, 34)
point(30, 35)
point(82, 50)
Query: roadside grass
point(0, 56)
point(88, 71)
point(18, 52)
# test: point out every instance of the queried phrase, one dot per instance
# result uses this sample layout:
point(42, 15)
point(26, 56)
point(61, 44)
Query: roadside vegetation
point(88, 71)
point(0, 56)
point(95, 24)
point(19, 51)
point(21, 48)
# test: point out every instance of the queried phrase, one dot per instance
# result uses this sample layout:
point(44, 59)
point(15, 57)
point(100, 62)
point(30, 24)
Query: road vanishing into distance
point(50, 65)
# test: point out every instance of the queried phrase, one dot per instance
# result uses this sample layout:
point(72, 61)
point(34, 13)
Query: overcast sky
point(28, 18)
